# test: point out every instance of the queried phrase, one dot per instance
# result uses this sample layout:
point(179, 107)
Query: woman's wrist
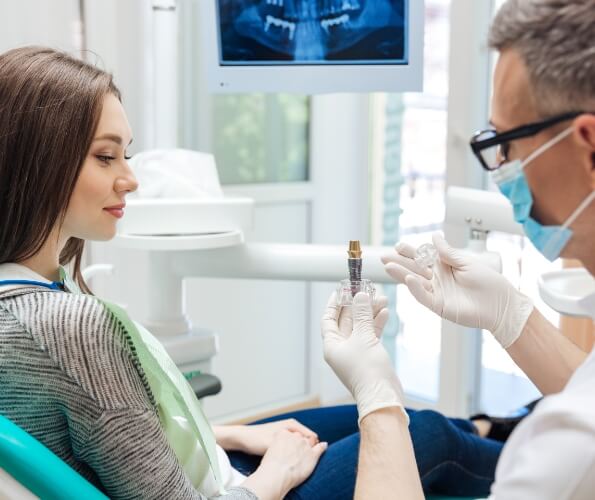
point(267, 484)
point(228, 437)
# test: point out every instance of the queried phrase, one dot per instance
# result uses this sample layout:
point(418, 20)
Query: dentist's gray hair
point(556, 40)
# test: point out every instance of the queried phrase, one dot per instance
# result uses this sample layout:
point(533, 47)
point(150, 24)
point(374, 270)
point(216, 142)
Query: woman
point(70, 372)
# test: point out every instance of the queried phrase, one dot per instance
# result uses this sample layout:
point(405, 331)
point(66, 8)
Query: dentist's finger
point(363, 320)
point(345, 321)
point(380, 321)
point(449, 255)
point(411, 265)
point(400, 248)
point(399, 274)
point(331, 313)
point(380, 303)
point(417, 289)
point(406, 250)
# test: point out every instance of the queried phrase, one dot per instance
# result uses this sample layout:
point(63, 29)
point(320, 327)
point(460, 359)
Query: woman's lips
point(116, 212)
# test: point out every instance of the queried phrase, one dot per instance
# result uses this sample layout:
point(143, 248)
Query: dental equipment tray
point(182, 216)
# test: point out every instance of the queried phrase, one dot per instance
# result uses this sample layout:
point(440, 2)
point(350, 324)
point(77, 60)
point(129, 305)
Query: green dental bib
point(187, 430)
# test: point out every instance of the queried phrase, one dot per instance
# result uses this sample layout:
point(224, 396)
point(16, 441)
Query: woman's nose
point(131, 184)
point(127, 182)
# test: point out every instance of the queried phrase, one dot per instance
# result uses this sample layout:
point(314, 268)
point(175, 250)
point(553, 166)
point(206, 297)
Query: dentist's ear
point(584, 126)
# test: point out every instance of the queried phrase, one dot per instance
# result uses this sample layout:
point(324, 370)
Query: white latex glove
point(463, 290)
point(353, 350)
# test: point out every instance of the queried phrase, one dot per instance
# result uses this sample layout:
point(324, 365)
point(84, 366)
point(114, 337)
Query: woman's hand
point(257, 439)
point(288, 462)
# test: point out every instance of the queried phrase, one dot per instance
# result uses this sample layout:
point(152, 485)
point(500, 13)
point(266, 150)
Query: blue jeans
point(451, 458)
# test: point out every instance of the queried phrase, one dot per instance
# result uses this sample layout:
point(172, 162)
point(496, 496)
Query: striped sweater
point(68, 376)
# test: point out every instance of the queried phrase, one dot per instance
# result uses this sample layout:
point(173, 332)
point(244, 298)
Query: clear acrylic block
point(347, 289)
point(426, 255)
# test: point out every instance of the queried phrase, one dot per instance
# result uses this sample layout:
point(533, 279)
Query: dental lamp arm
point(272, 261)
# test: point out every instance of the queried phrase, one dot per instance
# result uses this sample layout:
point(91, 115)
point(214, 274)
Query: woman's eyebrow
point(112, 137)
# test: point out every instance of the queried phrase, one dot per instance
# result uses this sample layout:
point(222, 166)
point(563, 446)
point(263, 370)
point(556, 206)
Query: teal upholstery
point(38, 469)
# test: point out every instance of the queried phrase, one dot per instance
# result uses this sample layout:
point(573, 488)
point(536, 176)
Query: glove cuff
point(379, 406)
point(383, 394)
point(519, 308)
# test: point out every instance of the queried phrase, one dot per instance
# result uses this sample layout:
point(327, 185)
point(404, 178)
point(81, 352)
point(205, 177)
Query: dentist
point(541, 154)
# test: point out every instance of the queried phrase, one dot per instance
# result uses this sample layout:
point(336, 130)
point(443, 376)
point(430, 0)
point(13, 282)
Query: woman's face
point(97, 201)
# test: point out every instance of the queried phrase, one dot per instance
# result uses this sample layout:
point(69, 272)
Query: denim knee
point(434, 437)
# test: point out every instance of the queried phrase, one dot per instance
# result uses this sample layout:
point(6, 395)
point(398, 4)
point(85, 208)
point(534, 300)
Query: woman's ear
point(584, 127)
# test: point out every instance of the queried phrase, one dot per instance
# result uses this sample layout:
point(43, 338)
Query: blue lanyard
point(54, 285)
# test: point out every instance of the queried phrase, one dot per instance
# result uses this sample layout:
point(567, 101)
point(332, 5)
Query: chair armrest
point(205, 384)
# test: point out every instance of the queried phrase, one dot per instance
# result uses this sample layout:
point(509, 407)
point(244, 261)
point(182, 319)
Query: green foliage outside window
point(261, 138)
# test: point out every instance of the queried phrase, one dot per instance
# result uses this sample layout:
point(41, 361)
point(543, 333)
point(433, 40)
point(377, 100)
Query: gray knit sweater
point(69, 377)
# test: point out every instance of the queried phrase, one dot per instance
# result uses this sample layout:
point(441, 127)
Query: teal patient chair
point(40, 471)
point(44, 474)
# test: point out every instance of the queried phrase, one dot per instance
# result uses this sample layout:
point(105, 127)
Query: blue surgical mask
point(510, 179)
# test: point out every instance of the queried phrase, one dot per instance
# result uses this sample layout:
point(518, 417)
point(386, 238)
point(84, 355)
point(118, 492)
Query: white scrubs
point(551, 454)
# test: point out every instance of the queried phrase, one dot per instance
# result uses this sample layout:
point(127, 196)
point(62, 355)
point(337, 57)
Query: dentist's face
point(560, 178)
point(98, 199)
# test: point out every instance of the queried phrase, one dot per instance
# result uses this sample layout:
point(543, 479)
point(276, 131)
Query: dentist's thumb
point(363, 317)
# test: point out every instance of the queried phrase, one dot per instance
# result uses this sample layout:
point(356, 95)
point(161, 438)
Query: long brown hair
point(50, 104)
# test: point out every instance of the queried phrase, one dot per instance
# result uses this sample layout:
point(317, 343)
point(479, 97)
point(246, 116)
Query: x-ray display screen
point(302, 32)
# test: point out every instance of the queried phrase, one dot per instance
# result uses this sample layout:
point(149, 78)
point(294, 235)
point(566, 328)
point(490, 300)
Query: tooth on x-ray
point(280, 23)
point(337, 21)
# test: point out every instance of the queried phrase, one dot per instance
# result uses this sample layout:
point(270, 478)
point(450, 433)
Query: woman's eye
point(127, 157)
point(105, 158)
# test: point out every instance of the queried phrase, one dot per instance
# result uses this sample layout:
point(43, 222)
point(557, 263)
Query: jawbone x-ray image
point(263, 32)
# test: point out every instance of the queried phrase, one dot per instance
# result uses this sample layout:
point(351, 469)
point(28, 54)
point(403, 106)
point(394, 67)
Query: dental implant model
point(354, 262)
point(348, 288)
point(426, 255)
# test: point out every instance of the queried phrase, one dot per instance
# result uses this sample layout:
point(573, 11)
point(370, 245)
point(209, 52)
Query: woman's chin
point(105, 235)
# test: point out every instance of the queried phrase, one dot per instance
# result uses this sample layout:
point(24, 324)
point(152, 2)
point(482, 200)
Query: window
point(408, 170)
point(261, 138)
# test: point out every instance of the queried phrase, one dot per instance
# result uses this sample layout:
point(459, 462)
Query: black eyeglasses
point(492, 148)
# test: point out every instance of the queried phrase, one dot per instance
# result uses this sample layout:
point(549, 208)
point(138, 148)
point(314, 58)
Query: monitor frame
point(315, 78)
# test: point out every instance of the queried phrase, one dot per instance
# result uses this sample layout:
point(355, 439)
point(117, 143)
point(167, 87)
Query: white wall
point(39, 22)
point(119, 37)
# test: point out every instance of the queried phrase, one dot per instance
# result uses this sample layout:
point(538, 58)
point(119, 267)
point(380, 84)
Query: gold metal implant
point(355, 250)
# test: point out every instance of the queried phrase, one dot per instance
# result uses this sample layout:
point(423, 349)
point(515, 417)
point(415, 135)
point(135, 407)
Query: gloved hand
point(353, 350)
point(463, 290)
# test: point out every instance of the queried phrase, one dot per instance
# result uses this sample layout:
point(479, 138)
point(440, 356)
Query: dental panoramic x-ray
point(268, 32)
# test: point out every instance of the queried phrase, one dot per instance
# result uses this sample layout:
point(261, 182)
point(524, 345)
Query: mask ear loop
point(552, 142)
point(580, 209)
